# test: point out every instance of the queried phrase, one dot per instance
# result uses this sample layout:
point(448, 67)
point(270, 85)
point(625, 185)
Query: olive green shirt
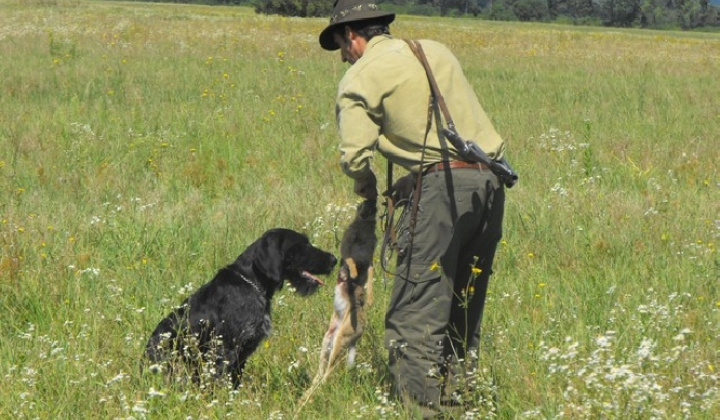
point(382, 104)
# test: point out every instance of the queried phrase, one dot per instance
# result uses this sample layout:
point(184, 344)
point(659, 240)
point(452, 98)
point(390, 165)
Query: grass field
point(143, 146)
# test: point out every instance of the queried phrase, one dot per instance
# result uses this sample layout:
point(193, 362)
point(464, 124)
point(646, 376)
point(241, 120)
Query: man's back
point(393, 87)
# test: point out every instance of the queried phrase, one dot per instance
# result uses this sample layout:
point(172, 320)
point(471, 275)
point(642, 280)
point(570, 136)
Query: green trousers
point(432, 326)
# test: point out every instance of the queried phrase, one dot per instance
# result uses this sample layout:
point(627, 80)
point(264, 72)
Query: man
point(444, 263)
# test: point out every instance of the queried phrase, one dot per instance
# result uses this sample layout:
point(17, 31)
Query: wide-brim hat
point(345, 11)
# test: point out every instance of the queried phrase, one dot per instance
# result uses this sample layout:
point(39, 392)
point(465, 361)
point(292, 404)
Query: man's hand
point(366, 187)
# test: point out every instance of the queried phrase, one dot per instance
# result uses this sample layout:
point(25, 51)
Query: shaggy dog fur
point(353, 293)
point(216, 329)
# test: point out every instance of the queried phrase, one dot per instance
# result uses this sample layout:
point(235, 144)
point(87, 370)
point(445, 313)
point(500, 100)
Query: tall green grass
point(143, 146)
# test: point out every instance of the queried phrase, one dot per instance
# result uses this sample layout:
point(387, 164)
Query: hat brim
point(327, 38)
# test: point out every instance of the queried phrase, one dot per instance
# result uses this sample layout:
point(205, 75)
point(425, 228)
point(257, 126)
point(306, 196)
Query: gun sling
point(473, 155)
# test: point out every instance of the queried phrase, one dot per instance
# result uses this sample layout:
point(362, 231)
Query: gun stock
point(473, 153)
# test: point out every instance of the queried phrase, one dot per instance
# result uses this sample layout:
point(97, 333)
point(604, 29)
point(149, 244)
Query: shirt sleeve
point(359, 131)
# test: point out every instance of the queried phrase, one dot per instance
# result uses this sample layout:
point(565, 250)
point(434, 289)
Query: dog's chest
point(266, 326)
point(263, 326)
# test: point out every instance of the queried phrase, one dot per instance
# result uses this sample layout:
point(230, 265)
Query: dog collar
point(247, 280)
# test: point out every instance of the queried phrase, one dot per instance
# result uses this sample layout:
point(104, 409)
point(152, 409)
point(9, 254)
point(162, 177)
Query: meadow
point(144, 146)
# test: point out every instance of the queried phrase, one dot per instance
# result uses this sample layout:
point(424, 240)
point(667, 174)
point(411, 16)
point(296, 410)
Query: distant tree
point(473, 6)
point(574, 9)
point(620, 13)
point(688, 14)
point(500, 10)
point(300, 8)
point(530, 10)
point(444, 6)
point(577, 9)
point(713, 16)
point(557, 8)
point(654, 13)
point(693, 13)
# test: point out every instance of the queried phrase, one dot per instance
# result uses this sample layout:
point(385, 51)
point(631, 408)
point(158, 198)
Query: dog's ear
point(267, 257)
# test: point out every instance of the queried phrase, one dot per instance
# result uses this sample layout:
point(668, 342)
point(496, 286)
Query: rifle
point(468, 150)
point(471, 152)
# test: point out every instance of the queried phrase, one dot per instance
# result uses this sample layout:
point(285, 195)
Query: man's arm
point(358, 140)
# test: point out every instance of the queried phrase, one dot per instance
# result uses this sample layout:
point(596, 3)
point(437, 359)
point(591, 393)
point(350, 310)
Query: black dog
point(217, 328)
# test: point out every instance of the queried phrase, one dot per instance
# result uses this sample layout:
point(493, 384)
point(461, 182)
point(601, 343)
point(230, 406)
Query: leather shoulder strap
point(417, 49)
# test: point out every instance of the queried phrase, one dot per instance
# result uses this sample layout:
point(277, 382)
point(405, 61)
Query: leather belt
point(455, 164)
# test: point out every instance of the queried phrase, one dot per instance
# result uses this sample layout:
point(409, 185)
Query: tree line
point(655, 14)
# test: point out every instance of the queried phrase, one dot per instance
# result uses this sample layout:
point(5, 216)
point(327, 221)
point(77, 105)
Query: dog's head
point(283, 254)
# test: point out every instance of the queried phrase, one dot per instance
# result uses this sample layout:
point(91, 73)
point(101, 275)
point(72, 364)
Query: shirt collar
point(376, 40)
